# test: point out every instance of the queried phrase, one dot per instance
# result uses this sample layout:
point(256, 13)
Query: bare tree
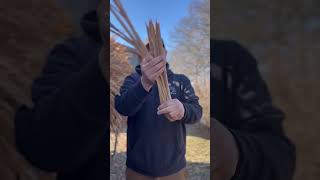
point(191, 37)
point(191, 53)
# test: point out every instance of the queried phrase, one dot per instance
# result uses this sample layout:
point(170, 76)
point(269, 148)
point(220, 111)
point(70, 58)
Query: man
point(67, 129)
point(248, 141)
point(156, 132)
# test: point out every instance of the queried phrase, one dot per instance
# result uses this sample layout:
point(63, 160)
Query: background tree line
point(191, 51)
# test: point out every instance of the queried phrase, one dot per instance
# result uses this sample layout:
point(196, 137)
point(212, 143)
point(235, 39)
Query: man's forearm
point(131, 97)
point(225, 152)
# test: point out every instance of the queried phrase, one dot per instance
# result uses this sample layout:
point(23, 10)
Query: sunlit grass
point(198, 149)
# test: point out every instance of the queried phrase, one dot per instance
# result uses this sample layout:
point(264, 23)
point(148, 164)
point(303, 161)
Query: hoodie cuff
point(186, 112)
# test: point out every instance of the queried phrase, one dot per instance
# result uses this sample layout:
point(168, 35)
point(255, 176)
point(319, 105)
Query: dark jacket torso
point(156, 147)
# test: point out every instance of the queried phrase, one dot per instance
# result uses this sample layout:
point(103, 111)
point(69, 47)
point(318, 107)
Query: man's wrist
point(146, 85)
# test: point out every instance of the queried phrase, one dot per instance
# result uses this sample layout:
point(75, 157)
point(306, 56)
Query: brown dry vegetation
point(119, 69)
point(203, 91)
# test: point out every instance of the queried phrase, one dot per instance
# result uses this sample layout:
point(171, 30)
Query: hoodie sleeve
point(190, 101)
point(132, 96)
point(264, 151)
point(68, 123)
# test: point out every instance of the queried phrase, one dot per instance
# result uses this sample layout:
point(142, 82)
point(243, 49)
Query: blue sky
point(167, 12)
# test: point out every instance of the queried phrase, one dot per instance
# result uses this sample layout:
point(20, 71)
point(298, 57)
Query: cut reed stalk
point(131, 36)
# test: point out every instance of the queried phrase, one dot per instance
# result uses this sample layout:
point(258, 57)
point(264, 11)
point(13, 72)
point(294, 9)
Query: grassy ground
point(198, 154)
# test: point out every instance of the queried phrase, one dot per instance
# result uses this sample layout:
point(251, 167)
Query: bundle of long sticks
point(130, 35)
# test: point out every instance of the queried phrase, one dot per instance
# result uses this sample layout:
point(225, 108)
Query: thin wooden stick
point(122, 36)
point(131, 36)
point(113, 27)
point(119, 4)
point(121, 22)
point(139, 44)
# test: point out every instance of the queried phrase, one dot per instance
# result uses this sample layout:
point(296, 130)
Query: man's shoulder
point(181, 78)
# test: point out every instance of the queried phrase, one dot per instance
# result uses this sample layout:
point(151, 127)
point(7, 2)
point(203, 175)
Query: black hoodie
point(67, 129)
point(156, 147)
